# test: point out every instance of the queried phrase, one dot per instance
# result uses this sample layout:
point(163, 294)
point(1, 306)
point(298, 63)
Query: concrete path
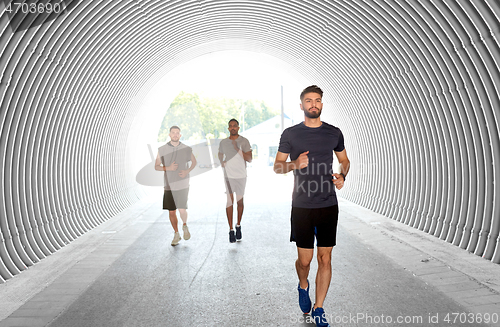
point(126, 273)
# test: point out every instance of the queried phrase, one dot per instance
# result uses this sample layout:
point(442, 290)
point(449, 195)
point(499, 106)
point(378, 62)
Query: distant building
point(265, 138)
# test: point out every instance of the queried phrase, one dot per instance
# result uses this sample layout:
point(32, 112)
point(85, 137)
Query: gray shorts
point(235, 185)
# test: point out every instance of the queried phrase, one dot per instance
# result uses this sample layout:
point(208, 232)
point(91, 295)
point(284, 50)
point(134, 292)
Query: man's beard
point(309, 114)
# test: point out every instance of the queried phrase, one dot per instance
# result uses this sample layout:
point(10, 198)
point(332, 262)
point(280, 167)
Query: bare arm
point(344, 168)
point(193, 163)
point(221, 158)
point(185, 172)
point(343, 161)
point(158, 165)
point(247, 156)
point(282, 166)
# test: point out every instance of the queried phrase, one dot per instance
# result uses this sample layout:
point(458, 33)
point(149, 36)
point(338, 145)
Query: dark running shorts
point(319, 222)
point(173, 200)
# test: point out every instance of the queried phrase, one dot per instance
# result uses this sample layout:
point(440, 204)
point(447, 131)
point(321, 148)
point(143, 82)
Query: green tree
point(183, 112)
point(256, 112)
point(197, 116)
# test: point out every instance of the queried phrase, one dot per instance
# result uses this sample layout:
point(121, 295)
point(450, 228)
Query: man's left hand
point(338, 181)
point(183, 173)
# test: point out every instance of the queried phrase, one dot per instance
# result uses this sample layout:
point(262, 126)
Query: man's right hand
point(172, 167)
point(302, 161)
point(235, 145)
point(223, 164)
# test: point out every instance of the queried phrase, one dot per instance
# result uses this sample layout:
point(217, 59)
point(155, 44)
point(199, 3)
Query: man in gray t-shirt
point(173, 158)
point(234, 153)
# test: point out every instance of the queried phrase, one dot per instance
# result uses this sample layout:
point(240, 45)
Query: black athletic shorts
point(319, 222)
point(173, 200)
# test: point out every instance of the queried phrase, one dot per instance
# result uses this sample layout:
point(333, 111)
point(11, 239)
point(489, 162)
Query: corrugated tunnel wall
point(414, 87)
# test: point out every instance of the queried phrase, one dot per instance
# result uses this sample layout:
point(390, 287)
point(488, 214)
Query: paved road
point(207, 281)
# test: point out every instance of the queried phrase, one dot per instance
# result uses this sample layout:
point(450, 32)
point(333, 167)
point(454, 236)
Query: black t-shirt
point(313, 185)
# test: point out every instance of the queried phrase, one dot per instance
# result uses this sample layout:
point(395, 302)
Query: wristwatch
point(342, 176)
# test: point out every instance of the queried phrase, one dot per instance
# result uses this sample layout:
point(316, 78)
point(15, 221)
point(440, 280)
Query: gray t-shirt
point(235, 164)
point(181, 154)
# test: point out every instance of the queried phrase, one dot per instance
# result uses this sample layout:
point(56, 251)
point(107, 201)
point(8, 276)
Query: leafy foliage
point(200, 117)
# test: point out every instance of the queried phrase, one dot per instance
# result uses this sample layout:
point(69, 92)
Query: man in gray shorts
point(311, 145)
point(173, 159)
point(234, 153)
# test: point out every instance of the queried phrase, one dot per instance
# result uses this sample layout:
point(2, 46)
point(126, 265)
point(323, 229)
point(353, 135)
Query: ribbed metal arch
point(413, 85)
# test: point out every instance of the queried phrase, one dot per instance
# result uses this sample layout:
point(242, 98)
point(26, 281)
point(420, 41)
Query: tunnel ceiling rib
point(414, 87)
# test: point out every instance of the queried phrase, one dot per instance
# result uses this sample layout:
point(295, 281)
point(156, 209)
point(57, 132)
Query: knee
point(172, 214)
point(325, 261)
point(303, 263)
point(240, 203)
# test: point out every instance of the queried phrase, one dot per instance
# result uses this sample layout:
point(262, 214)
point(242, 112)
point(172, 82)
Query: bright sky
point(231, 74)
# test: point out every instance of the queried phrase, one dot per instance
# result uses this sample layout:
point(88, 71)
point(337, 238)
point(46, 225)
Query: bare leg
point(229, 210)
point(240, 208)
point(324, 275)
point(184, 215)
point(173, 220)
point(303, 264)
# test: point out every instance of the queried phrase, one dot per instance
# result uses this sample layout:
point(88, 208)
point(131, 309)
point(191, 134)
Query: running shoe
point(232, 237)
point(177, 238)
point(304, 300)
point(185, 230)
point(318, 315)
point(238, 233)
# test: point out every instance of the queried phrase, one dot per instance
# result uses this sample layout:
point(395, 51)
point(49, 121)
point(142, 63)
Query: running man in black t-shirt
point(311, 145)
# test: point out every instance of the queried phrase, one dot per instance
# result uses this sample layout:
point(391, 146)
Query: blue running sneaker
point(304, 300)
point(232, 237)
point(318, 315)
point(238, 233)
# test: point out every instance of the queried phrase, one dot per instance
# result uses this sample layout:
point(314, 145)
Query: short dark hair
point(232, 119)
point(175, 127)
point(309, 89)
